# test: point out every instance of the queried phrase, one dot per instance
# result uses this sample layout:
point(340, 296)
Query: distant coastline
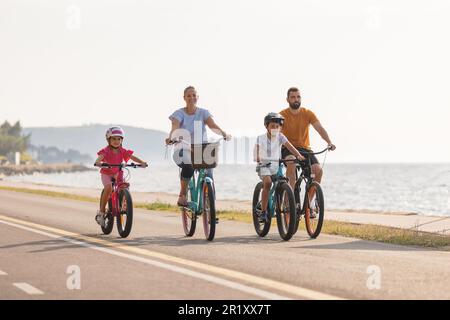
point(10, 170)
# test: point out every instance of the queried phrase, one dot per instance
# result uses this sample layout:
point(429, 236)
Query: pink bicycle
point(120, 204)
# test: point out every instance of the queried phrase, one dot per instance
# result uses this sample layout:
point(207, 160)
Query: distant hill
point(148, 144)
point(88, 139)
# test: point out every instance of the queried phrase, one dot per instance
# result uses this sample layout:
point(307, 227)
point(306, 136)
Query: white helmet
point(115, 132)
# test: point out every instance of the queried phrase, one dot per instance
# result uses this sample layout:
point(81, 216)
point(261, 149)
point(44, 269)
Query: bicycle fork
point(210, 182)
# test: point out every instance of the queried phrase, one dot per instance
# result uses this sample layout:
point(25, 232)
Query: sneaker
point(100, 218)
point(263, 216)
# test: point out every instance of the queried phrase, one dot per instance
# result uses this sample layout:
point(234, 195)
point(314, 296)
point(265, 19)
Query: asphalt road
point(52, 249)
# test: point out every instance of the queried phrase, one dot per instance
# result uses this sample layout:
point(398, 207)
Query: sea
point(422, 189)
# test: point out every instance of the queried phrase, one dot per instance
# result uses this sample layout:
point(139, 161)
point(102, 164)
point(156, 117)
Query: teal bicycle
point(201, 194)
point(281, 204)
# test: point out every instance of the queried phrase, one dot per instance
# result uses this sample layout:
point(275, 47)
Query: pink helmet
point(115, 132)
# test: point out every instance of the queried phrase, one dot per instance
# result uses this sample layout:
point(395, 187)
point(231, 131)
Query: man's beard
point(295, 105)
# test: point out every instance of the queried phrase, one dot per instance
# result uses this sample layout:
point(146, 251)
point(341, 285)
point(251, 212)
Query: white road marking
point(226, 283)
point(27, 288)
point(2, 273)
point(248, 278)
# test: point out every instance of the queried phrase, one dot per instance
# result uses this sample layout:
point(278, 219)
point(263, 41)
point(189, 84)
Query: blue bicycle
point(281, 203)
point(201, 195)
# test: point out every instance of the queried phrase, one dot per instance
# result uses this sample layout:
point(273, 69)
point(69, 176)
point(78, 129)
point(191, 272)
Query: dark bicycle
point(313, 207)
point(281, 203)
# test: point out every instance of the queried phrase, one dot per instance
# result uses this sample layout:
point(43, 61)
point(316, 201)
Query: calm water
point(416, 188)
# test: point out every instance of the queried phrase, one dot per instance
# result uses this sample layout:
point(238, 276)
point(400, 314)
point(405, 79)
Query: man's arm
point(323, 133)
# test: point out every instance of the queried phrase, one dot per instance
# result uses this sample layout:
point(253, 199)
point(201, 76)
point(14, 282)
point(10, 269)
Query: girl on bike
point(189, 123)
point(268, 152)
point(114, 153)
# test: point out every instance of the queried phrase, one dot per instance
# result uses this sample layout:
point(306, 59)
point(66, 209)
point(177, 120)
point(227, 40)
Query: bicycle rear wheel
point(261, 227)
point(109, 219)
point(125, 217)
point(209, 212)
point(188, 217)
point(285, 209)
point(314, 208)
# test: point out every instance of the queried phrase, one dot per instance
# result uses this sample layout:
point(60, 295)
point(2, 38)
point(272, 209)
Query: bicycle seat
point(277, 178)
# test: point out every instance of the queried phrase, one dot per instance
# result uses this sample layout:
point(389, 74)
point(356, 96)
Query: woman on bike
point(114, 153)
point(188, 123)
point(268, 152)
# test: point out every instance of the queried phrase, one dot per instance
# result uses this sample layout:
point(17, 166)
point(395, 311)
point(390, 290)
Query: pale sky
point(376, 73)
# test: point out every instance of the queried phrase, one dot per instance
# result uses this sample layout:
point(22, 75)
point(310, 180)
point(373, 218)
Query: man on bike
point(296, 129)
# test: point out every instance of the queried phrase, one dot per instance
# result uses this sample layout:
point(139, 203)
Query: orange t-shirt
point(296, 127)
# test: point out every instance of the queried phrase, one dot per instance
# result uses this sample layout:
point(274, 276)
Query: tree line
point(12, 140)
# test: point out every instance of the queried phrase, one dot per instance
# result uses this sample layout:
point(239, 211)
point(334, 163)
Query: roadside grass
point(409, 237)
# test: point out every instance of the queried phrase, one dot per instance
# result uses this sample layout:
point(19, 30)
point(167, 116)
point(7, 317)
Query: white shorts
point(268, 171)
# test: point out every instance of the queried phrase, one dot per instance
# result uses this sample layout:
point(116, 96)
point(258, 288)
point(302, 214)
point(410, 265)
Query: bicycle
point(281, 202)
point(201, 193)
point(313, 209)
point(120, 203)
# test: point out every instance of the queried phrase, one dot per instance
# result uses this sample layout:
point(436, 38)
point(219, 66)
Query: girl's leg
point(105, 196)
point(107, 189)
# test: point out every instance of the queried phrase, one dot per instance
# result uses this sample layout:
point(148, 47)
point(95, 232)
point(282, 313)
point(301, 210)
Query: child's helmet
point(115, 132)
point(273, 117)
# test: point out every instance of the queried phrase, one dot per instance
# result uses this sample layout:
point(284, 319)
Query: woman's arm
point(214, 126)
point(175, 126)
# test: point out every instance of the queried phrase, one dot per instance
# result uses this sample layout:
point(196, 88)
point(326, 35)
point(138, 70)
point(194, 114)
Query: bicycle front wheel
point(125, 217)
point(285, 209)
point(109, 222)
point(188, 217)
point(298, 206)
point(209, 212)
point(262, 227)
point(314, 209)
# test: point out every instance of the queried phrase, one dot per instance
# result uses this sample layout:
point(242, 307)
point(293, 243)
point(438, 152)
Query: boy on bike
point(268, 154)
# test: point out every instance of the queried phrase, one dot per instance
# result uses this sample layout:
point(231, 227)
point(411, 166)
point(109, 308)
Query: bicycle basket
point(205, 156)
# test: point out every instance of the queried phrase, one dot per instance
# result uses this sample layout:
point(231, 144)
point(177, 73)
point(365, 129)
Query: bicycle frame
point(306, 173)
point(271, 202)
point(196, 189)
point(116, 187)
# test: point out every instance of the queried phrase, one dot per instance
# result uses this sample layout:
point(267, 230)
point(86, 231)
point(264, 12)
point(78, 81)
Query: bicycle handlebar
point(178, 140)
point(122, 165)
point(326, 149)
point(295, 160)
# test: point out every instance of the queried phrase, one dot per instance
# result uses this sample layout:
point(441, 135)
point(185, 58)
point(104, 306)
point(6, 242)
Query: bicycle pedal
point(217, 220)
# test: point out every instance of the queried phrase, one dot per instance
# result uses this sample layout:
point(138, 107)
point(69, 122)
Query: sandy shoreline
point(10, 170)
